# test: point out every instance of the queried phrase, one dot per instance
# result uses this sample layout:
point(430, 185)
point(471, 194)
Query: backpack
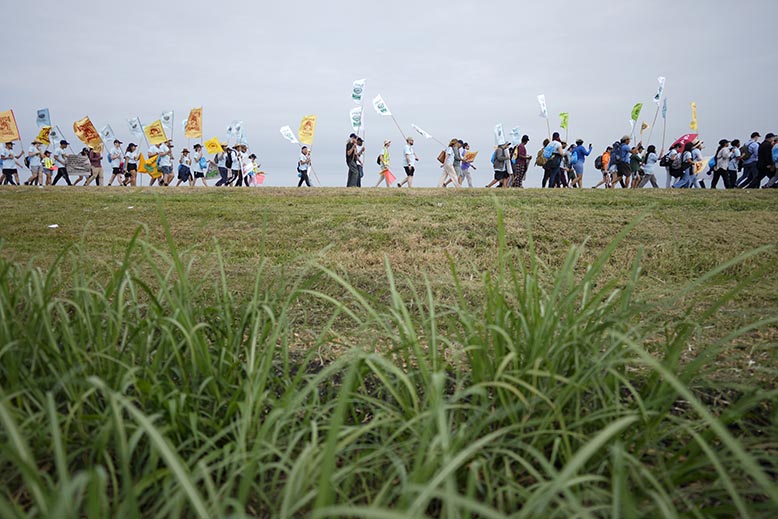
point(494, 157)
point(540, 160)
point(548, 150)
point(442, 157)
point(598, 162)
point(745, 153)
point(27, 162)
point(665, 160)
point(712, 163)
point(378, 160)
point(616, 157)
point(228, 160)
point(677, 163)
point(574, 158)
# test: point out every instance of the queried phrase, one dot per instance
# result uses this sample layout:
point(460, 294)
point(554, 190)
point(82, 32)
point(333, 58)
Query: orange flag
point(9, 131)
point(194, 124)
point(87, 133)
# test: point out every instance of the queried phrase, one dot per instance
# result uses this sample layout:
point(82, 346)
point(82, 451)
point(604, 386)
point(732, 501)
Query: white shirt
point(733, 162)
point(235, 160)
point(196, 162)
point(164, 160)
point(302, 162)
point(132, 156)
point(61, 154)
point(450, 156)
point(152, 150)
point(186, 160)
point(410, 155)
point(35, 160)
point(221, 161)
point(9, 159)
point(116, 157)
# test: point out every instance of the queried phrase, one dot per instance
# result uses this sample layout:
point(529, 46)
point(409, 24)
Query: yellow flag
point(194, 125)
point(155, 132)
point(644, 127)
point(87, 133)
point(9, 131)
point(43, 135)
point(213, 146)
point(148, 166)
point(693, 125)
point(307, 129)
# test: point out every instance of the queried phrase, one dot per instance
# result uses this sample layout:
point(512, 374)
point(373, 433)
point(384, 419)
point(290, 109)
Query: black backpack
point(378, 160)
point(228, 160)
point(27, 162)
point(616, 153)
point(598, 162)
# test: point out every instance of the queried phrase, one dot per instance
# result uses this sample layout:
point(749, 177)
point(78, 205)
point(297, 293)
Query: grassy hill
point(426, 353)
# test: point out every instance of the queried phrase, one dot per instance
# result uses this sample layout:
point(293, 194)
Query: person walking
point(351, 161)
point(48, 167)
point(220, 161)
point(448, 164)
point(502, 160)
point(577, 160)
point(686, 167)
point(131, 158)
point(185, 168)
point(10, 173)
point(554, 153)
point(383, 162)
point(721, 169)
point(750, 154)
point(409, 155)
point(61, 160)
point(199, 164)
point(730, 181)
point(647, 168)
point(115, 156)
point(466, 167)
point(605, 161)
point(360, 160)
point(303, 164)
point(96, 161)
point(520, 162)
point(166, 162)
point(764, 162)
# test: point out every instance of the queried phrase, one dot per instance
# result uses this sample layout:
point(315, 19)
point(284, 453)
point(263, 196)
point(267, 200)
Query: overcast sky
point(455, 68)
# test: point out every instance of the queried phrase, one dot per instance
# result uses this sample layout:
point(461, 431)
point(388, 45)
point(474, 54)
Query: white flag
point(421, 132)
point(632, 125)
point(55, 135)
point(661, 91)
point(358, 90)
point(515, 136)
point(543, 107)
point(242, 138)
point(106, 133)
point(499, 135)
point(136, 128)
point(167, 121)
point(235, 128)
point(380, 106)
point(288, 134)
point(356, 118)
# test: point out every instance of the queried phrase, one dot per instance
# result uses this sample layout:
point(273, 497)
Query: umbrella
point(689, 137)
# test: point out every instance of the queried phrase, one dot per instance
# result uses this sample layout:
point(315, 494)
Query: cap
point(64, 143)
point(185, 150)
point(769, 136)
point(625, 138)
point(117, 141)
point(387, 142)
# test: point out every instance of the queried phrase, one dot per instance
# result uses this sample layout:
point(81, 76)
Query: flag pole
point(548, 125)
point(398, 127)
point(651, 130)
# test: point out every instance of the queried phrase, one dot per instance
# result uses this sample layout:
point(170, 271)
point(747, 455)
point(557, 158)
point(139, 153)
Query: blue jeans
point(685, 181)
point(223, 180)
point(750, 172)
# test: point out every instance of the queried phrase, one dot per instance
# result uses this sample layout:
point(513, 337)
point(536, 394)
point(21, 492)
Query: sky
point(454, 68)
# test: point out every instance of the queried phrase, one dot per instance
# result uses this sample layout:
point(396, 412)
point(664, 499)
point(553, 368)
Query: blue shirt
point(753, 149)
point(582, 153)
point(775, 154)
point(624, 153)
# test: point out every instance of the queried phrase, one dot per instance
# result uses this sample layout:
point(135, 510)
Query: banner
point(43, 118)
point(78, 165)
point(87, 133)
point(106, 133)
point(9, 131)
point(636, 111)
point(194, 124)
point(43, 135)
point(234, 129)
point(564, 119)
point(470, 156)
point(136, 128)
point(661, 91)
point(166, 118)
point(421, 132)
point(358, 90)
point(380, 106)
point(644, 127)
point(356, 118)
point(155, 132)
point(499, 135)
point(543, 107)
point(307, 129)
point(693, 125)
point(147, 166)
point(664, 109)
point(213, 146)
point(288, 134)
point(515, 136)
point(55, 135)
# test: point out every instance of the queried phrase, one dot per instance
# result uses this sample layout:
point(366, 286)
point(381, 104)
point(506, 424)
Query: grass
point(384, 354)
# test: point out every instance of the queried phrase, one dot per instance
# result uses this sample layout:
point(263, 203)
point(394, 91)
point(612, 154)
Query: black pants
point(353, 175)
point(223, 180)
point(8, 176)
point(732, 176)
point(762, 173)
point(62, 173)
point(720, 174)
point(304, 178)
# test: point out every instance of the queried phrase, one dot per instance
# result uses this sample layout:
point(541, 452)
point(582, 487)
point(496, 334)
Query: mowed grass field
point(388, 353)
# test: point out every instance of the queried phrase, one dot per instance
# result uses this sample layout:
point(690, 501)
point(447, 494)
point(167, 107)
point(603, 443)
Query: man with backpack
point(553, 153)
point(501, 161)
point(602, 163)
point(620, 157)
point(764, 162)
point(749, 154)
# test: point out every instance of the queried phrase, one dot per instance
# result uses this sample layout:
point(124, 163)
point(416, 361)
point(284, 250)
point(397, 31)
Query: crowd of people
point(748, 166)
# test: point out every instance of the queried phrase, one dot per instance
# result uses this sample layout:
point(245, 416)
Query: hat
point(64, 143)
point(625, 138)
point(46, 152)
point(185, 150)
point(36, 141)
point(252, 156)
point(132, 144)
point(117, 141)
point(387, 142)
point(769, 136)
point(697, 142)
point(579, 141)
point(198, 145)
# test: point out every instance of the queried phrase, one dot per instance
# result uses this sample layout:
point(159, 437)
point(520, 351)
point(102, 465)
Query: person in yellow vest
point(48, 168)
point(383, 161)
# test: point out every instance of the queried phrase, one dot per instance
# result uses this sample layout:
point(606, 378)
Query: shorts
point(47, 172)
point(624, 170)
point(9, 172)
point(165, 170)
point(117, 171)
point(501, 175)
point(35, 170)
point(183, 173)
point(132, 167)
point(199, 174)
point(409, 170)
point(578, 169)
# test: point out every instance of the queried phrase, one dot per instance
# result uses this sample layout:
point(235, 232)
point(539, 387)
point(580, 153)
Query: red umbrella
point(689, 137)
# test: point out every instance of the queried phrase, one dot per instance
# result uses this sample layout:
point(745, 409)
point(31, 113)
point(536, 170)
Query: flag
point(155, 132)
point(380, 106)
point(636, 111)
point(661, 91)
point(136, 128)
point(499, 135)
point(148, 166)
point(543, 107)
point(87, 133)
point(166, 118)
point(358, 90)
point(564, 119)
point(55, 135)
point(390, 178)
point(234, 129)
point(43, 135)
point(213, 146)
point(356, 118)
point(664, 109)
point(242, 138)
point(288, 134)
point(515, 136)
point(693, 125)
point(307, 129)
point(106, 133)
point(9, 131)
point(193, 129)
point(43, 118)
point(421, 132)
point(632, 126)
point(644, 127)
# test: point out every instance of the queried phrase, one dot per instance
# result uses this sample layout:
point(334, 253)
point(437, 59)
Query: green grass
point(386, 354)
